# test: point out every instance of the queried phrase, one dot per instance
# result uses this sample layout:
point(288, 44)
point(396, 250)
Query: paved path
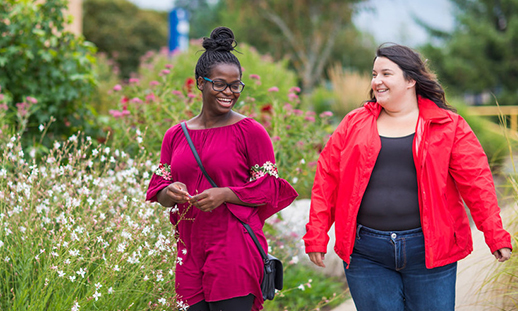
point(471, 273)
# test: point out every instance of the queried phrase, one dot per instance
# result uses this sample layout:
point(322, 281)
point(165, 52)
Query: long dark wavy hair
point(415, 68)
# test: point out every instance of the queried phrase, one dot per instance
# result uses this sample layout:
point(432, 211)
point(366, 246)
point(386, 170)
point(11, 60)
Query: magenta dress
point(217, 259)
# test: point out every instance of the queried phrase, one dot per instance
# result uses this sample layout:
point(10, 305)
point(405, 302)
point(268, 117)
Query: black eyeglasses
point(220, 86)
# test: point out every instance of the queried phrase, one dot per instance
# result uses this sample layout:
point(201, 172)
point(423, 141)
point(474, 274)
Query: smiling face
point(389, 84)
point(219, 102)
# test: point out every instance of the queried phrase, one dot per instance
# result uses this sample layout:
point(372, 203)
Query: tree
point(203, 16)
point(123, 31)
point(480, 54)
point(40, 60)
point(305, 31)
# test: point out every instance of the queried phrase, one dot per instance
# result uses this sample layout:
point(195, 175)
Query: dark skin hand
point(208, 200)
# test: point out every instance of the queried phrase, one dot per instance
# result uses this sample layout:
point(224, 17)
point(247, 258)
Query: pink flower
point(254, 76)
point(153, 83)
point(176, 92)
point(308, 118)
point(191, 95)
point(134, 80)
point(168, 66)
point(276, 138)
point(1, 97)
point(312, 163)
point(32, 100)
point(150, 98)
point(242, 69)
point(165, 71)
point(115, 113)
point(292, 96)
point(4, 107)
point(22, 108)
point(136, 100)
point(117, 87)
point(273, 89)
point(295, 89)
point(298, 112)
point(326, 114)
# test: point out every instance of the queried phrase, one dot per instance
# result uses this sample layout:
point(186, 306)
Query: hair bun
point(221, 40)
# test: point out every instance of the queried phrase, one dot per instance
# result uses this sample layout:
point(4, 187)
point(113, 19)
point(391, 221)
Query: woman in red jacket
point(394, 178)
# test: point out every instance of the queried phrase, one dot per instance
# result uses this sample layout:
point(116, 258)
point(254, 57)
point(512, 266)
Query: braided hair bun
point(221, 40)
point(218, 50)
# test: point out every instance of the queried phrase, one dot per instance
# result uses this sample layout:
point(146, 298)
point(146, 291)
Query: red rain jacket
point(451, 166)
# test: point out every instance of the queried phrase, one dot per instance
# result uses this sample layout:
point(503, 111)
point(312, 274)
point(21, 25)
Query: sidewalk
point(471, 273)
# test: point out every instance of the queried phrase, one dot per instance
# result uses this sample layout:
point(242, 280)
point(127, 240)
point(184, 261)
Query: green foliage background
point(39, 59)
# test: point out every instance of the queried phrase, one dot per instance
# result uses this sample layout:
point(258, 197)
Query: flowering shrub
point(164, 93)
point(76, 233)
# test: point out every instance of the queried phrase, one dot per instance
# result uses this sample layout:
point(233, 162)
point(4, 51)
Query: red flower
point(189, 84)
point(267, 108)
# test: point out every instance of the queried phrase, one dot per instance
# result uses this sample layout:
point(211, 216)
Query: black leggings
point(233, 304)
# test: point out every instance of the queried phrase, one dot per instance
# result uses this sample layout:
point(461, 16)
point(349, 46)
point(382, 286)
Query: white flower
point(81, 272)
point(56, 145)
point(73, 252)
point(146, 278)
point(72, 278)
point(41, 127)
point(159, 278)
point(98, 286)
point(97, 295)
point(116, 268)
point(162, 301)
point(61, 274)
point(1, 243)
point(110, 290)
point(302, 161)
point(95, 152)
point(295, 179)
point(76, 307)
point(301, 287)
point(73, 138)
point(184, 251)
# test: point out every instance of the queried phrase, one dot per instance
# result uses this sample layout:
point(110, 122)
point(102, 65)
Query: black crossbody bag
point(272, 266)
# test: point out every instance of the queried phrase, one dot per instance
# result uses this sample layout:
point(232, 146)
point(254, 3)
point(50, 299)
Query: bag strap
point(197, 157)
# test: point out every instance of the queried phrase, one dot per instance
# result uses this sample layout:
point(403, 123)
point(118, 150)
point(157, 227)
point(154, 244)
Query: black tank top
point(390, 202)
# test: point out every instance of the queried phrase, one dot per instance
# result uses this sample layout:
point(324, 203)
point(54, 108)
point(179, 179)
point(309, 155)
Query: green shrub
point(38, 59)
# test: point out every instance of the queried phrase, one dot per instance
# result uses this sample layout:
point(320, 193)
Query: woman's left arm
point(263, 186)
point(470, 169)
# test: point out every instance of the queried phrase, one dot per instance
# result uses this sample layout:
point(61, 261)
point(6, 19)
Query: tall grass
point(76, 233)
point(350, 89)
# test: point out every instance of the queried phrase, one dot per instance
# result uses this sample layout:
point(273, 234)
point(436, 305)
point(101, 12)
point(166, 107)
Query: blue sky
point(386, 20)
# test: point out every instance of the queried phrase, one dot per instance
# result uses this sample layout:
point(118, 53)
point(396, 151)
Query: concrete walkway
point(471, 273)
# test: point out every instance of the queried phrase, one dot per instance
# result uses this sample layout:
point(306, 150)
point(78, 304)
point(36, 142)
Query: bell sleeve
point(264, 187)
point(162, 176)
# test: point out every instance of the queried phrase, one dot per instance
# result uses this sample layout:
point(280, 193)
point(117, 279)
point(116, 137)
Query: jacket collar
point(428, 110)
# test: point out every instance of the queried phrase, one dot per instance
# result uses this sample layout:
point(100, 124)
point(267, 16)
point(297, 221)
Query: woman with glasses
point(219, 267)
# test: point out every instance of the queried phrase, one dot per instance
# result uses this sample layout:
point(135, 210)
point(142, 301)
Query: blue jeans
point(387, 272)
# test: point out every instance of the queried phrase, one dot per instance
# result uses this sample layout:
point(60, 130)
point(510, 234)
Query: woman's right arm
point(323, 196)
point(175, 193)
